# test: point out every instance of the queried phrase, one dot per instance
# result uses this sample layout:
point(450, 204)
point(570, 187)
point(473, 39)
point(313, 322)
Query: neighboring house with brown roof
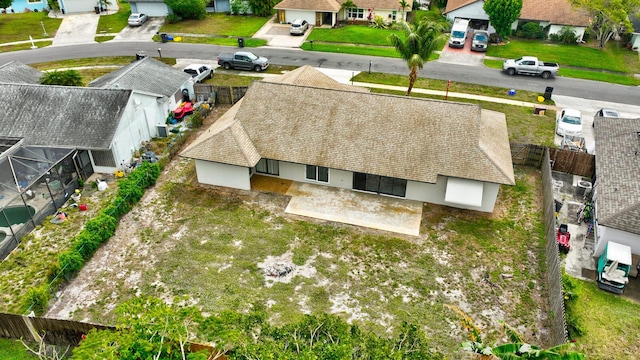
point(554, 14)
point(435, 151)
point(328, 12)
point(617, 188)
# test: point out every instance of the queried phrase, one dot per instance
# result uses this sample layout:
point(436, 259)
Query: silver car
point(480, 40)
point(298, 27)
point(137, 19)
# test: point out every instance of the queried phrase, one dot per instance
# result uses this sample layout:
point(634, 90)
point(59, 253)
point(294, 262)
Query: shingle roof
point(316, 5)
point(62, 116)
point(308, 76)
point(16, 72)
point(618, 173)
point(397, 136)
point(557, 12)
point(147, 75)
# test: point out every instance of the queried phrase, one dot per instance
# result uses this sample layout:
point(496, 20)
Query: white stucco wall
point(308, 15)
point(137, 124)
point(435, 193)
point(606, 234)
point(578, 30)
point(218, 174)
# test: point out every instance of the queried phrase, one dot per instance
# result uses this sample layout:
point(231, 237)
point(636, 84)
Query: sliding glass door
point(380, 184)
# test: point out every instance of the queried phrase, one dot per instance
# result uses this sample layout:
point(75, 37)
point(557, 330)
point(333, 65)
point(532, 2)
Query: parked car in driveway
point(199, 72)
point(604, 112)
point(480, 40)
point(137, 19)
point(569, 122)
point(298, 27)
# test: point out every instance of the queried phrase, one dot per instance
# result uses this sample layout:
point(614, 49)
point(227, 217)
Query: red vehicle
point(563, 237)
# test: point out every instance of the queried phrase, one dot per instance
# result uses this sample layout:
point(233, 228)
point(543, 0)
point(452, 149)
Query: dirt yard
point(226, 249)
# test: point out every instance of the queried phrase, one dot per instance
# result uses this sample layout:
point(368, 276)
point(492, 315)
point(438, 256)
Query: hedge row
point(96, 231)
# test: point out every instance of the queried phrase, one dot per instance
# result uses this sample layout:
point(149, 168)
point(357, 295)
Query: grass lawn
point(583, 56)
point(386, 51)
point(218, 24)
point(25, 46)
point(114, 23)
point(374, 279)
point(354, 34)
point(214, 40)
point(610, 323)
point(18, 27)
point(14, 350)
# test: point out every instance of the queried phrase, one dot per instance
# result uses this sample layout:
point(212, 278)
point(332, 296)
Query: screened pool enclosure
point(34, 182)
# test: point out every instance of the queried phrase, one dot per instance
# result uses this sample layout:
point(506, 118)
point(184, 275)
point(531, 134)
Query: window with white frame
point(317, 173)
point(34, 1)
point(354, 13)
point(393, 15)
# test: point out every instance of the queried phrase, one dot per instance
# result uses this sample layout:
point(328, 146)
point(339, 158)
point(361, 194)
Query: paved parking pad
point(355, 208)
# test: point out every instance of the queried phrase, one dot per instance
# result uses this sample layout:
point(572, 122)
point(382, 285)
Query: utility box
point(584, 188)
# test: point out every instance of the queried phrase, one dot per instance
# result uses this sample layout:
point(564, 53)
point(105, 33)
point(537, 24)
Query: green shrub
point(173, 18)
point(37, 299)
point(102, 227)
point(530, 30)
point(86, 244)
point(188, 9)
point(70, 261)
point(567, 35)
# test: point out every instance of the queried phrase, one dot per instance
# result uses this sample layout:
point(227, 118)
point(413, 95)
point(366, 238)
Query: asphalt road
point(585, 89)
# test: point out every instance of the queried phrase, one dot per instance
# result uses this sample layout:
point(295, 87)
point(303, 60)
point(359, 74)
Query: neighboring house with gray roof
point(149, 76)
point(554, 14)
point(110, 124)
point(328, 12)
point(617, 188)
point(428, 150)
point(15, 72)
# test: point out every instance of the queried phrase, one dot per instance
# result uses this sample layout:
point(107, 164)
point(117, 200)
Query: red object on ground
point(182, 110)
point(563, 237)
point(178, 113)
point(82, 207)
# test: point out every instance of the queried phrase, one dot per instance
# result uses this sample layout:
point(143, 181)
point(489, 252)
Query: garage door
point(291, 15)
point(152, 9)
point(74, 6)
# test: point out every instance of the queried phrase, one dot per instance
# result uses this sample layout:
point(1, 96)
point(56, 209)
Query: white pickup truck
point(530, 65)
point(199, 72)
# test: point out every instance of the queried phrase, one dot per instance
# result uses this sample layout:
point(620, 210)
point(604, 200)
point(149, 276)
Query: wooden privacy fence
point(222, 94)
point(55, 331)
point(563, 160)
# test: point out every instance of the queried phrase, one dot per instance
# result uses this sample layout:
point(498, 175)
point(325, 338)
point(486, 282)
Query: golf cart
point(614, 266)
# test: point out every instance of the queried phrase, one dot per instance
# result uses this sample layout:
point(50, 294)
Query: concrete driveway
point(77, 29)
point(462, 56)
point(145, 32)
point(588, 109)
point(277, 35)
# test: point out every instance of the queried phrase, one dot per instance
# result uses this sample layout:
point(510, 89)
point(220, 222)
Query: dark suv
point(480, 40)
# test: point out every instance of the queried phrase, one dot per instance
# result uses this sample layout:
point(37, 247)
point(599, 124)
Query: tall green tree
point(418, 43)
point(188, 9)
point(404, 4)
point(609, 17)
point(502, 14)
point(64, 78)
point(5, 3)
point(262, 7)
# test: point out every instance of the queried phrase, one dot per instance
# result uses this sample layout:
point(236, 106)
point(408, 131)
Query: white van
point(458, 33)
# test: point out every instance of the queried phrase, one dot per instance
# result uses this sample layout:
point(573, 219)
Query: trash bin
point(240, 42)
point(97, 9)
point(163, 37)
point(547, 93)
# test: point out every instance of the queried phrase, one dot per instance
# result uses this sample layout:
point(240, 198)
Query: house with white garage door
point(159, 8)
point(552, 15)
point(441, 152)
point(329, 12)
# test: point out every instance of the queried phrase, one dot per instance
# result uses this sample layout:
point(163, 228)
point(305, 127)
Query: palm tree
point(63, 77)
point(404, 4)
point(419, 43)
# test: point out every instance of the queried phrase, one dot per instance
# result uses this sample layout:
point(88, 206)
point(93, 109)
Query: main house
point(160, 8)
point(554, 14)
point(617, 189)
point(329, 12)
point(325, 133)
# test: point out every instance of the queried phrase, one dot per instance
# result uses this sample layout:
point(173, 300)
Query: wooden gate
point(572, 162)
